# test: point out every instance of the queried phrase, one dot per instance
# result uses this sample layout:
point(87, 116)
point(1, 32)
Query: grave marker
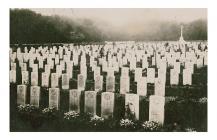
point(74, 100)
point(132, 106)
point(21, 94)
point(156, 108)
point(90, 102)
point(35, 95)
point(107, 104)
point(54, 98)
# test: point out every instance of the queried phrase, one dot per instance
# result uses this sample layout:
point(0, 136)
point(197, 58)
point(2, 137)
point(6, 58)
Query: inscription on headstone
point(156, 108)
point(25, 77)
point(98, 83)
point(65, 81)
point(54, 98)
point(107, 104)
point(35, 95)
point(34, 78)
point(110, 84)
point(132, 106)
point(90, 102)
point(54, 80)
point(45, 79)
point(74, 100)
point(81, 82)
point(21, 94)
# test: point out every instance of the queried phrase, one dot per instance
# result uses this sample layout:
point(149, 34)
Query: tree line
point(27, 26)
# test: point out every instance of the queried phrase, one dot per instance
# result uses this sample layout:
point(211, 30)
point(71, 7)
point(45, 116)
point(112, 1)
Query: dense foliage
point(28, 27)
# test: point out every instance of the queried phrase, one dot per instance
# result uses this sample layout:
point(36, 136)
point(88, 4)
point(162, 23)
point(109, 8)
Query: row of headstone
point(107, 102)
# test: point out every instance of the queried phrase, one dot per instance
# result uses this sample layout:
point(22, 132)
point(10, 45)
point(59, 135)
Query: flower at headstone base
point(127, 124)
point(202, 100)
point(96, 120)
point(71, 115)
point(27, 108)
point(30, 113)
point(151, 126)
point(49, 113)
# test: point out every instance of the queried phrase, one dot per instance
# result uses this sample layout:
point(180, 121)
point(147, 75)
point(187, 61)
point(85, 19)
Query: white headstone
point(159, 87)
point(142, 86)
point(124, 84)
point(98, 83)
point(74, 100)
point(45, 79)
point(25, 77)
point(150, 75)
point(132, 105)
point(34, 78)
point(90, 102)
point(107, 104)
point(81, 82)
point(187, 77)
point(156, 108)
point(138, 74)
point(12, 76)
point(65, 81)
point(21, 94)
point(54, 98)
point(110, 83)
point(35, 95)
point(54, 80)
point(174, 77)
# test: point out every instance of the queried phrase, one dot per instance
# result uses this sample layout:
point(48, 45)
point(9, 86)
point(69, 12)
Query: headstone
point(47, 68)
point(12, 76)
point(25, 77)
point(142, 86)
point(110, 83)
point(81, 82)
point(138, 74)
point(23, 67)
point(124, 71)
point(96, 72)
point(35, 95)
point(90, 102)
point(74, 100)
point(21, 94)
point(174, 77)
point(187, 77)
point(45, 79)
point(34, 78)
point(124, 84)
point(132, 106)
point(107, 104)
point(159, 87)
point(156, 108)
point(13, 66)
point(65, 81)
point(54, 98)
point(54, 80)
point(150, 75)
point(35, 68)
point(98, 83)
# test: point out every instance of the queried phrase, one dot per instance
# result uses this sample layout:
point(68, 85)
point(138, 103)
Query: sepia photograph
point(108, 69)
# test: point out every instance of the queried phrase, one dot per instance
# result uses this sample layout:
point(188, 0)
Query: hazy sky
point(130, 21)
point(119, 17)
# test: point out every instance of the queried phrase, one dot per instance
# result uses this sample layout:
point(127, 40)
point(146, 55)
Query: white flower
point(126, 123)
point(71, 115)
